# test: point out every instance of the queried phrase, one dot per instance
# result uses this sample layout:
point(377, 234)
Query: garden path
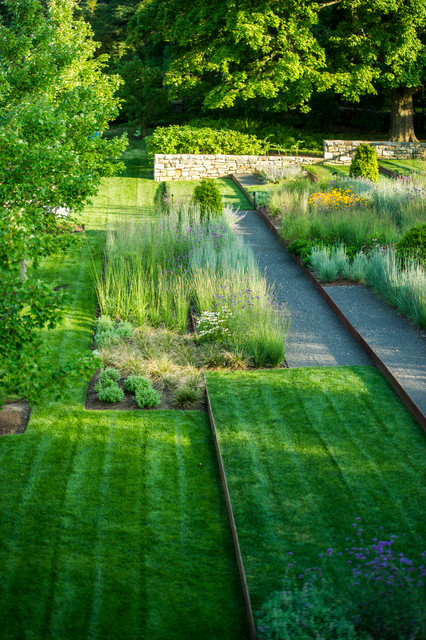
point(316, 336)
point(398, 344)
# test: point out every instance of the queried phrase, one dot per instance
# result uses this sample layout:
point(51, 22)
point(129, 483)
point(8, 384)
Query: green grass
point(404, 166)
point(231, 194)
point(306, 451)
point(113, 524)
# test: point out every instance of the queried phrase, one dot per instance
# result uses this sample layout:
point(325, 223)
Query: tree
point(380, 44)
point(55, 102)
point(277, 54)
point(263, 51)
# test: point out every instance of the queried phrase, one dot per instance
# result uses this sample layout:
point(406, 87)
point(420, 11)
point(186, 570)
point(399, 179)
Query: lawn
point(306, 452)
point(113, 524)
point(231, 194)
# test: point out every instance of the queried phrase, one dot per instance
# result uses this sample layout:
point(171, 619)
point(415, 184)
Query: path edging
point(244, 585)
point(373, 355)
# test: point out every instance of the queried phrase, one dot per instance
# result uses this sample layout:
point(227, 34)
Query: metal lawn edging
point(244, 585)
point(378, 362)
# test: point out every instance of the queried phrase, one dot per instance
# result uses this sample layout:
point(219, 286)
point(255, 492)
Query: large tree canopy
point(277, 53)
point(380, 44)
point(238, 50)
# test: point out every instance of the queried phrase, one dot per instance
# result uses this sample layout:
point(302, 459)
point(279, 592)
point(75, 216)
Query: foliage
point(109, 392)
point(273, 173)
point(187, 395)
point(55, 102)
point(187, 139)
point(108, 376)
point(147, 397)
point(295, 613)
point(107, 387)
point(207, 197)
point(154, 270)
point(364, 163)
point(27, 307)
point(363, 591)
point(133, 383)
point(109, 331)
point(268, 56)
point(413, 244)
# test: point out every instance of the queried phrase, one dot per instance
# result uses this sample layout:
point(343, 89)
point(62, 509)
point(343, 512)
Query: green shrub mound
point(303, 614)
point(133, 383)
point(207, 196)
point(413, 244)
point(364, 163)
point(107, 388)
point(187, 139)
point(146, 396)
point(110, 392)
point(108, 376)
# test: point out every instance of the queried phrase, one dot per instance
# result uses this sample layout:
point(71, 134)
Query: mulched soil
point(129, 403)
point(14, 417)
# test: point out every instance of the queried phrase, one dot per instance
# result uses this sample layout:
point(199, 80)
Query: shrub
point(108, 332)
point(124, 330)
point(364, 163)
point(147, 397)
point(110, 392)
point(304, 614)
point(187, 139)
point(187, 395)
point(133, 383)
point(207, 196)
point(413, 244)
point(108, 376)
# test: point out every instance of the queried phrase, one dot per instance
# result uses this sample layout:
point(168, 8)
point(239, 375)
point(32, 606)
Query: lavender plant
point(370, 587)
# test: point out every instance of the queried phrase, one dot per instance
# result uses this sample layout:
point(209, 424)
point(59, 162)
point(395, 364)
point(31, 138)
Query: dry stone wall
point(194, 166)
point(342, 151)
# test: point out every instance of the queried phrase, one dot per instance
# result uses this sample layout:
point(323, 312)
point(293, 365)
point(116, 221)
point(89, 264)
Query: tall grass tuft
point(154, 270)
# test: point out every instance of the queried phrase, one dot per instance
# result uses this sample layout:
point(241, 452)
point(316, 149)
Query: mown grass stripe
point(320, 416)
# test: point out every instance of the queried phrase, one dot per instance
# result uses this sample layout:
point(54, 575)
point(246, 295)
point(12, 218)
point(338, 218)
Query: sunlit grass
point(307, 451)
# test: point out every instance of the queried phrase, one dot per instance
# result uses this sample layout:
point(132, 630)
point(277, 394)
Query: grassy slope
point(231, 194)
point(109, 526)
point(306, 451)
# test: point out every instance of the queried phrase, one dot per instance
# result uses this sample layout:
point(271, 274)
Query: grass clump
point(364, 163)
point(207, 197)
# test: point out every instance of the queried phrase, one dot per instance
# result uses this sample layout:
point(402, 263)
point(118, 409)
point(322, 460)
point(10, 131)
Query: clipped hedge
point(187, 139)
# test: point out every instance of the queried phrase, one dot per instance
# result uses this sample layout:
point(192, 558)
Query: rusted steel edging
point(398, 388)
point(244, 585)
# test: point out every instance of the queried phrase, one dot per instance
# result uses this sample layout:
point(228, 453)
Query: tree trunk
point(23, 269)
point(402, 125)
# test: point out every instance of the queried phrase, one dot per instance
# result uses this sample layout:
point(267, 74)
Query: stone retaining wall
point(194, 166)
point(342, 151)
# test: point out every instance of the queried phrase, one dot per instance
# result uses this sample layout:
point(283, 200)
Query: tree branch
point(329, 4)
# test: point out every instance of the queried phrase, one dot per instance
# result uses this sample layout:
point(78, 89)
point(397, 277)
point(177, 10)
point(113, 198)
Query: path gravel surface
point(316, 336)
point(398, 344)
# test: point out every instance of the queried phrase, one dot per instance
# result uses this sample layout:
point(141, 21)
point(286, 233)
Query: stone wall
point(342, 151)
point(193, 166)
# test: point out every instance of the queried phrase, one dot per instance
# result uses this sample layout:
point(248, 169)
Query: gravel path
point(316, 336)
point(396, 342)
